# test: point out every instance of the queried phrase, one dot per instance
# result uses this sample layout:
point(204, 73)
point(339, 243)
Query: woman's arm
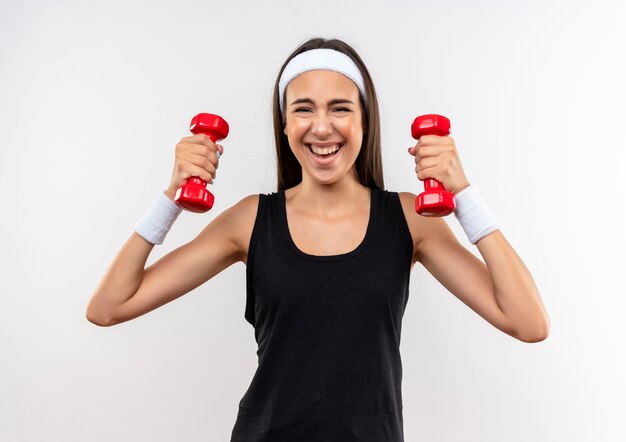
point(127, 290)
point(514, 288)
point(502, 291)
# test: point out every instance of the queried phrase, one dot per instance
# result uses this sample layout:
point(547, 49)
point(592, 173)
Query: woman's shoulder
point(241, 218)
point(421, 227)
point(407, 200)
point(243, 213)
point(247, 207)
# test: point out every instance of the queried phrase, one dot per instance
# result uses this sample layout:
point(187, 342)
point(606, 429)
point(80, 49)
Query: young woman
point(328, 258)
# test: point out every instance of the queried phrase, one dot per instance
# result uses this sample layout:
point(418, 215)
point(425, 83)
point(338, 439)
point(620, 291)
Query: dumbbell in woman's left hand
point(436, 157)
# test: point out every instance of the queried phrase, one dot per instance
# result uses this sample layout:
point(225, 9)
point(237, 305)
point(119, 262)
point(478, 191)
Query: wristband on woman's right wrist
point(158, 219)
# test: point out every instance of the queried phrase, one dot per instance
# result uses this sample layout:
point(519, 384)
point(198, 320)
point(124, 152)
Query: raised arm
point(127, 290)
point(501, 289)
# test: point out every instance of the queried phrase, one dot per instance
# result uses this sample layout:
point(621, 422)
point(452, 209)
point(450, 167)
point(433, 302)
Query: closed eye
point(337, 109)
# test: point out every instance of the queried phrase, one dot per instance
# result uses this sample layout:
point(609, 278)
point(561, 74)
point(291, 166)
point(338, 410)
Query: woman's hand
point(196, 156)
point(436, 157)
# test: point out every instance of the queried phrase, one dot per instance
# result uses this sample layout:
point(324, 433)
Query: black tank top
point(328, 331)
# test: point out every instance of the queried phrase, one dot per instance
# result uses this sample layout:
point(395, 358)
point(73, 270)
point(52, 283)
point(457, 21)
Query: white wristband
point(474, 214)
point(158, 219)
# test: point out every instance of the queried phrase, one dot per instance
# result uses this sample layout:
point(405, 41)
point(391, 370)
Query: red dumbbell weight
point(193, 195)
point(435, 200)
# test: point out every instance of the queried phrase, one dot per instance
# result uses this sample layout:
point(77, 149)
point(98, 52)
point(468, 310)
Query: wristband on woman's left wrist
point(474, 215)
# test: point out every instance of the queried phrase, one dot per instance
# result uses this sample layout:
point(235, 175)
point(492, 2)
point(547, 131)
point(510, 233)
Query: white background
point(94, 97)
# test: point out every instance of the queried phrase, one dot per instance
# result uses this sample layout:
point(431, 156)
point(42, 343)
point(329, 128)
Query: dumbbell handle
point(432, 184)
point(435, 200)
point(193, 195)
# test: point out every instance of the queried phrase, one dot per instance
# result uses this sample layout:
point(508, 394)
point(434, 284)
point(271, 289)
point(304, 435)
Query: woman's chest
point(320, 237)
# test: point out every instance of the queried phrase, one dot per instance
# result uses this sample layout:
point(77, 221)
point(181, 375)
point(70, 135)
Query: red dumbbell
point(193, 195)
point(435, 200)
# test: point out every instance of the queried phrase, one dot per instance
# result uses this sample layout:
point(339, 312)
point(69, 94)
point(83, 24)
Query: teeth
point(324, 150)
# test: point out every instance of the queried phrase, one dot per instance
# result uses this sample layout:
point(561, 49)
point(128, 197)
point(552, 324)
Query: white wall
point(95, 95)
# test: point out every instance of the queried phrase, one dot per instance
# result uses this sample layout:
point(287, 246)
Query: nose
point(322, 125)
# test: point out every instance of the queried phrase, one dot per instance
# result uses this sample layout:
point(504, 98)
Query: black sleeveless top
point(328, 331)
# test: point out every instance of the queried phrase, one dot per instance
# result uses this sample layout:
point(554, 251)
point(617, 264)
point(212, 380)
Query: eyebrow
point(331, 102)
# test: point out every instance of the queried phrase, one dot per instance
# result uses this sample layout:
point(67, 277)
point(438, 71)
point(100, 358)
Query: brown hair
point(369, 164)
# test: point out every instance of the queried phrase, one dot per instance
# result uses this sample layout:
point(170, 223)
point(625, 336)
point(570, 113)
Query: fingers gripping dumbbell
point(435, 200)
point(193, 195)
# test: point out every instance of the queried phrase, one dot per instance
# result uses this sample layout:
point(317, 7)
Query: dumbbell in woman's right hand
point(197, 159)
point(196, 163)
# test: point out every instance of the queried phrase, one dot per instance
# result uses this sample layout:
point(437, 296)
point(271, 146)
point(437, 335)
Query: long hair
point(369, 164)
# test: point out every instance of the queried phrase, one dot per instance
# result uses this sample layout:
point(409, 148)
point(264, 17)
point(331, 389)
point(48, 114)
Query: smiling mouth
point(325, 152)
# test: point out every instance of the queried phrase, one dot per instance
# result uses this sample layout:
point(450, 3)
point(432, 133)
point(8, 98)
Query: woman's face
point(323, 114)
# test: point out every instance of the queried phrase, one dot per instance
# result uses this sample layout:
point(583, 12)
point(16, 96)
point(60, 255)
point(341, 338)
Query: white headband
point(324, 59)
